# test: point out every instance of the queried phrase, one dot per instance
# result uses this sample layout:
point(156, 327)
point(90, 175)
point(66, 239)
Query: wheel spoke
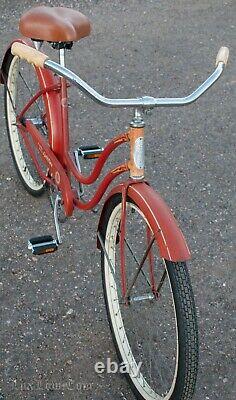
point(112, 267)
point(136, 261)
point(140, 266)
point(30, 91)
point(162, 280)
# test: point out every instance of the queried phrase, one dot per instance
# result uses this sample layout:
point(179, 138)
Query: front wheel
point(155, 328)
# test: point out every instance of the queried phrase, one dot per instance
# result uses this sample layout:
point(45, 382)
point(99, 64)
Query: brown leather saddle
point(54, 24)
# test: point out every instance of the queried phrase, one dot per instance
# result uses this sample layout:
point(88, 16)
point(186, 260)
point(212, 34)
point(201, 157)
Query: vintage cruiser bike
point(148, 295)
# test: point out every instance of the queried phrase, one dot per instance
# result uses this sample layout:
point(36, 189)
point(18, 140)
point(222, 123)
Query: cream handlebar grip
point(222, 56)
point(29, 54)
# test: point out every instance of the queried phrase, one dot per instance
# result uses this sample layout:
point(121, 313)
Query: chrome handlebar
point(41, 60)
point(144, 102)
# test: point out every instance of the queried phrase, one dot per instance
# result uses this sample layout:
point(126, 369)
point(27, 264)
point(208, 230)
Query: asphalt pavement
point(54, 325)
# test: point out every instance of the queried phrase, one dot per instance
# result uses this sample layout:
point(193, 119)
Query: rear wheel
point(155, 331)
point(21, 85)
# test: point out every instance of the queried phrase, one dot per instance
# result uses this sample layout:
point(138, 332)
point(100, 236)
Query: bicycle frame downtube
point(59, 175)
point(102, 188)
point(88, 180)
point(57, 171)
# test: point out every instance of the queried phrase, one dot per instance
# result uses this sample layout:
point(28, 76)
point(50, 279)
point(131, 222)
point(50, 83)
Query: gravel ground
point(54, 325)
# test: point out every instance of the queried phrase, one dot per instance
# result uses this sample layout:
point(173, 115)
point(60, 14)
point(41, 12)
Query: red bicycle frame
point(55, 152)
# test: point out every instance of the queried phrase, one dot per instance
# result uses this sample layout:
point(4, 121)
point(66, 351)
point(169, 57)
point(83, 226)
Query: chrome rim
point(149, 386)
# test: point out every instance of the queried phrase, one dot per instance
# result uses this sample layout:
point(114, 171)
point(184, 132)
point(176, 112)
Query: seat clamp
point(61, 45)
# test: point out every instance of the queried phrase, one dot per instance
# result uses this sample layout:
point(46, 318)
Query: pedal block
point(42, 245)
point(89, 152)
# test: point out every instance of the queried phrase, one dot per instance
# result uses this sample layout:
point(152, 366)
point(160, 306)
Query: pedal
point(89, 152)
point(42, 245)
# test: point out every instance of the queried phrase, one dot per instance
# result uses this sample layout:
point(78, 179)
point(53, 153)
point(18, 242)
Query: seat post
point(62, 57)
point(64, 103)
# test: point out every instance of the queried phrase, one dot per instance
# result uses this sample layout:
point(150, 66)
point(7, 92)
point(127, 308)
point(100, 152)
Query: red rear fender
point(8, 54)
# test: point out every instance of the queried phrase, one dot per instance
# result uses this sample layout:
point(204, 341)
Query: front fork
point(136, 168)
point(150, 238)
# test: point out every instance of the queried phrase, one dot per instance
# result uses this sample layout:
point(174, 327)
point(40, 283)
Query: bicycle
point(147, 289)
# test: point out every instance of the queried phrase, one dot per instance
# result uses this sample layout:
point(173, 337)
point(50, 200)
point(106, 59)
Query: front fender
point(8, 54)
point(171, 242)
